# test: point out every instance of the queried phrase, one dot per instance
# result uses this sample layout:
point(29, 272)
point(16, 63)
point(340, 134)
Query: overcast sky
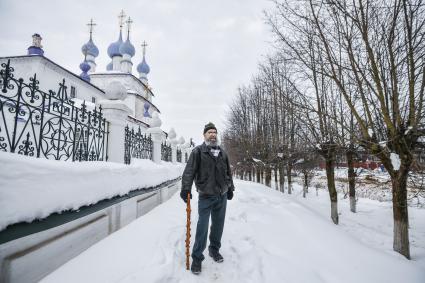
point(199, 51)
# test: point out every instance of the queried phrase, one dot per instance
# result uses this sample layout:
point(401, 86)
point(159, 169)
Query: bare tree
point(378, 47)
point(306, 165)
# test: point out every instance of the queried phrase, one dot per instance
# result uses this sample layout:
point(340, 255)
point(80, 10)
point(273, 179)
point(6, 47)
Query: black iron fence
point(48, 124)
point(179, 155)
point(165, 152)
point(137, 145)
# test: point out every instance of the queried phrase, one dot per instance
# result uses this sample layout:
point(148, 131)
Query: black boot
point(196, 267)
point(215, 255)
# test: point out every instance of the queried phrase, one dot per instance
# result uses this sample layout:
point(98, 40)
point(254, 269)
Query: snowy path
point(268, 237)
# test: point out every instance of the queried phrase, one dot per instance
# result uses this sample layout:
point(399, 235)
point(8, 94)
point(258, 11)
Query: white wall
point(50, 75)
point(30, 258)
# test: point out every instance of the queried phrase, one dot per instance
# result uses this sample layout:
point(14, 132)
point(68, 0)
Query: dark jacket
point(211, 174)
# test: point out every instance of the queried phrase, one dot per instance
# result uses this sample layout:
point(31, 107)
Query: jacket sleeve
point(190, 171)
point(229, 172)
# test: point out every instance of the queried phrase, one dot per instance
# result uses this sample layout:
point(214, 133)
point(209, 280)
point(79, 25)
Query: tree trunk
point(262, 175)
point(258, 175)
point(330, 175)
point(268, 176)
point(305, 187)
point(400, 213)
point(282, 178)
point(276, 184)
point(351, 179)
point(250, 175)
point(288, 173)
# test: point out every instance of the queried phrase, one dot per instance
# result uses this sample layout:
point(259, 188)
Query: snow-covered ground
point(268, 237)
point(33, 188)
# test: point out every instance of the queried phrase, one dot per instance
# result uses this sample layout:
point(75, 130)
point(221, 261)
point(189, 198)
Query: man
point(209, 166)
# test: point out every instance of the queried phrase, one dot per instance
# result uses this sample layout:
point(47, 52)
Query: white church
point(125, 99)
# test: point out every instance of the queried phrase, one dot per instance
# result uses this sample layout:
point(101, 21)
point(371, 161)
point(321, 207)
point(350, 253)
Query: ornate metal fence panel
point(48, 124)
point(165, 152)
point(179, 155)
point(137, 145)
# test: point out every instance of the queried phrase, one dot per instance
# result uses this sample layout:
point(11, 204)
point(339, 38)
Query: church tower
point(114, 48)
point(143, 67)
point(36, 48)
point(127, 50)
point(90, 50)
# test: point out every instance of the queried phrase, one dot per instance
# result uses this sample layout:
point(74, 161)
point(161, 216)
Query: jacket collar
point(204, 147)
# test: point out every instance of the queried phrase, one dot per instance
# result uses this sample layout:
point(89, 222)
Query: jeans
point(216, 207)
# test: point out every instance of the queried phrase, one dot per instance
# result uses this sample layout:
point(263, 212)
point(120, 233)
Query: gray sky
point(199, 51)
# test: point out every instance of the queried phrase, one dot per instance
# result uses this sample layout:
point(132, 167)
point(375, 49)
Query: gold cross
point(144, 48)
point(121, 16)
point(91, 25)
point(129, 22)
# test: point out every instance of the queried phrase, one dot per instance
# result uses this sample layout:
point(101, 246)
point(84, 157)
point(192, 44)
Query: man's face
point(211, 136)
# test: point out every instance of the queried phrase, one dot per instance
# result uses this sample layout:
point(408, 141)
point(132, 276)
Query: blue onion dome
point(143, 67)
point(85, 67)
point(127, 48)
point(109, 67)
point(90, 48)
point(114, 48)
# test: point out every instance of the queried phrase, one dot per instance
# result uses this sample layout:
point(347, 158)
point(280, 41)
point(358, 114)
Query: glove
point(229, 195)
point(183, 195)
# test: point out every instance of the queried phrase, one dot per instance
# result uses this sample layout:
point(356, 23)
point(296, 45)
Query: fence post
point(115, 111)
point(189, 148)
point(178, 146)
point(172, 136)
point(173, 151)
point(182, 148)
point(157, 135)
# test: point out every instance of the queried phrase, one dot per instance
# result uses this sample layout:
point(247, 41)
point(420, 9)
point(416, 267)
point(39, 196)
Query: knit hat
point(209, 126)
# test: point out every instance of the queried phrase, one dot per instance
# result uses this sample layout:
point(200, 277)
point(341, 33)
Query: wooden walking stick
point(187, 230)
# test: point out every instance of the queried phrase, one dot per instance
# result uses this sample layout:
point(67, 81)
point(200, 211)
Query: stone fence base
point(31, 257)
